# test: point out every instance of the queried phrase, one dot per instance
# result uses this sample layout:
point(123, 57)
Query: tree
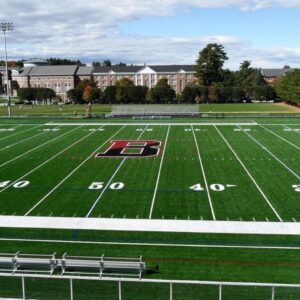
point(190, 93)
point(163, 82)
point(63, 61)
point(213, 92)
point(124, 82)
point(107, 63)
point(209, 64)
point(110, 94)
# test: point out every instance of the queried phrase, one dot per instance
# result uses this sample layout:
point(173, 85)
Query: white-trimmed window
point(67, 86)
point(57, 87)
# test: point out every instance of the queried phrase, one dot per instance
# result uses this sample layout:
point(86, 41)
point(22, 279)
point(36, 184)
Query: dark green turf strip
point(275, 181)
point(139, 177)
point(241, 201)
point(180, 170)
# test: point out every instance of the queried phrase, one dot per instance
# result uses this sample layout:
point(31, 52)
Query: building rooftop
point(61, 70)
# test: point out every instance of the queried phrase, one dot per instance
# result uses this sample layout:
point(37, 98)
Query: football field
point(243, 171)
point(167, 190)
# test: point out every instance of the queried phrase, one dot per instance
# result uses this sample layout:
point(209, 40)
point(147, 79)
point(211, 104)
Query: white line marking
point(31, 150)
point(251, 177)
point(275, 157)
point(22, 141)
point(280, 137)
point(158, 175)
point(45, 162)
point(151, 225)
point(155, 124)
point(149, 244)
point(204, 176)
point(71, 173)
point(110, 180)
point(291, 128)
point(6, 137)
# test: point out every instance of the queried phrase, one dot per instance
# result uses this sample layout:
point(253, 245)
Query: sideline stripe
point(150, 244)
point(110, 180)
point(251, 177)
point(6, 137)
point(266, 149)
point(158, 176)
point(71, 173)
point(29, 151)
point(274, 133)
point(45, 162)
point(204, 176)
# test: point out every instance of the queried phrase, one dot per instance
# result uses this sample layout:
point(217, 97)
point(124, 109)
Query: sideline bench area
point(72, 265)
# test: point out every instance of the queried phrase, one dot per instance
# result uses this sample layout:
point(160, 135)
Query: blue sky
point(154, 31)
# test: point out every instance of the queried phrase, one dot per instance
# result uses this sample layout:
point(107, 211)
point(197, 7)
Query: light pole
point(7, 27)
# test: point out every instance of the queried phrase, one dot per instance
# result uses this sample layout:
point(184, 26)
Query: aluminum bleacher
point(71, 265)
point(155, 111)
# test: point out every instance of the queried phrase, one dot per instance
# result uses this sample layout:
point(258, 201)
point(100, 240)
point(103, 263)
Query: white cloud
point(90, 30)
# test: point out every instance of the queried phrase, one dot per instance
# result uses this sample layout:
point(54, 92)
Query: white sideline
point(150, 244)
point(151, 225)
point(156, 124)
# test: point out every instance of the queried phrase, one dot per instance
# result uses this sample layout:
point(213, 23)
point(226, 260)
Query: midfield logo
point(132, 148)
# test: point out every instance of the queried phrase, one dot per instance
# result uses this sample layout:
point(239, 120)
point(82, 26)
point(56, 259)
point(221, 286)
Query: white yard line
point(31, 150)
point(158, 176)
point(6, 137)
point(250, 176)
point(71, 173)
point(148, 244)
point(109, 182)
point(48, 160)
point(151, 225)
point(280, 137)
point(267, 150)
point(22, 141)
point(204, 176)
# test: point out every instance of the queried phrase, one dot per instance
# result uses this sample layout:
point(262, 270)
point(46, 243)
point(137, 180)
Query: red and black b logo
point(132, 148)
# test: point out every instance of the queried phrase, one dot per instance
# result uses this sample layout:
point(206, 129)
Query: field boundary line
point(267, 150)
point(179, 245)
point(158, 175)
point(156, 124)
point(250, 176)
point(110, 180)
point(41, 145)
point(204, 176)
point(22, 141)
point(151, 225)
point(280, 137)
point(70, 174)
point(48, 160)
point(6, 137)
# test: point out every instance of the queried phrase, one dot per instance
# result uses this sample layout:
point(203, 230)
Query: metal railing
point(170, 283)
